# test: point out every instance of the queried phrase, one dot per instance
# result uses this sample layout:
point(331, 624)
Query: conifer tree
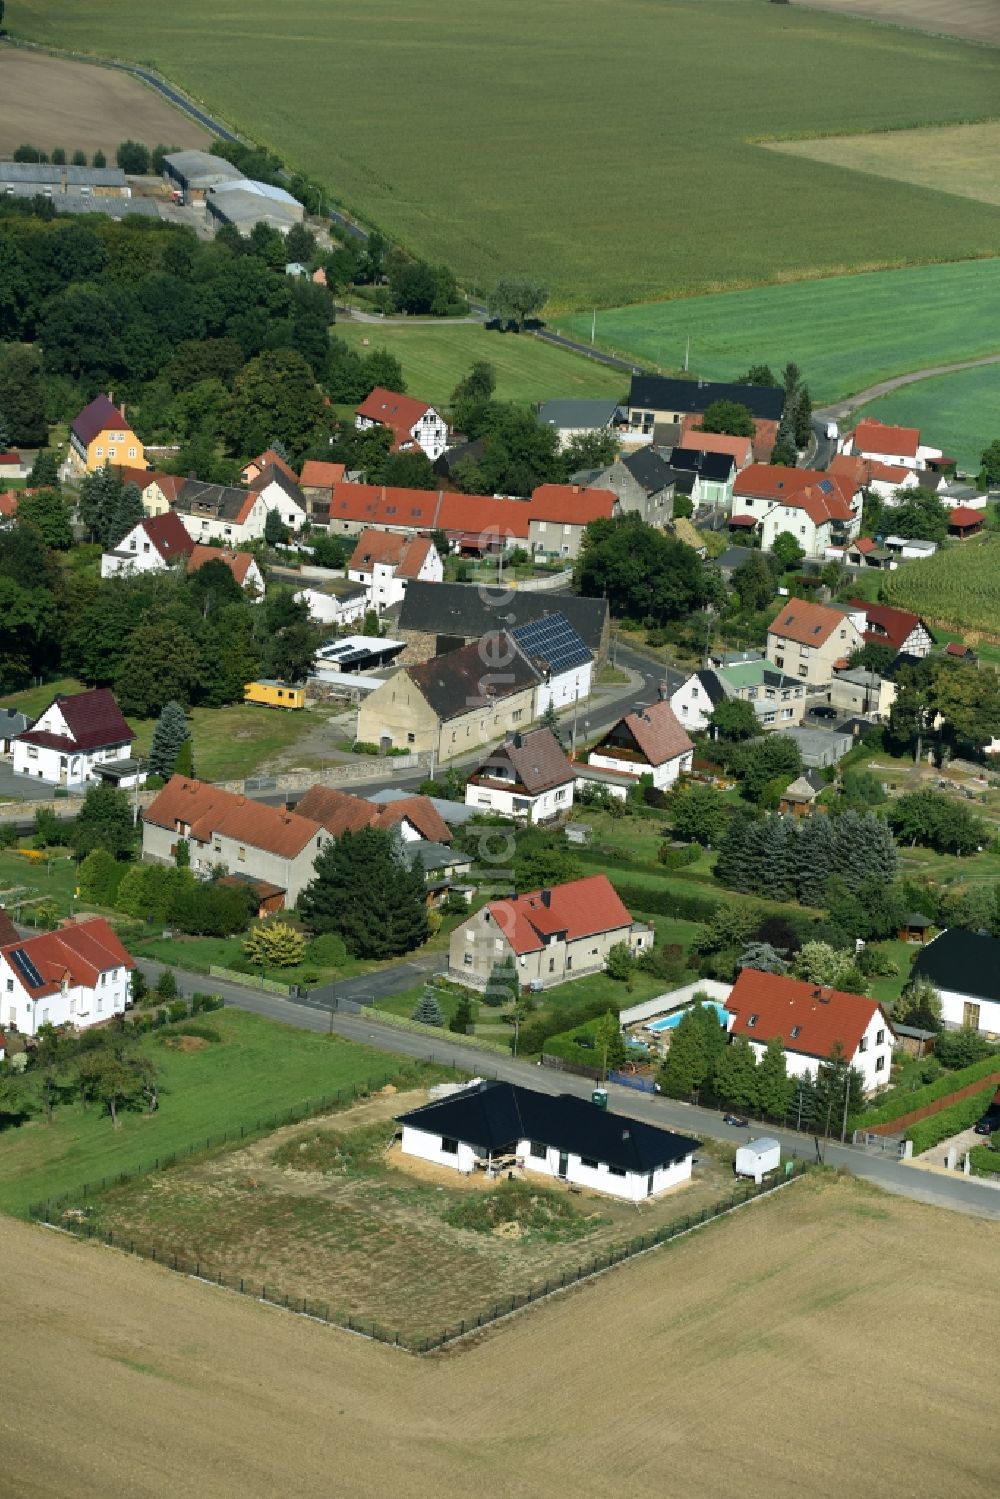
point(461, 1020)
point(773, 864)
point(735, 1078)
point(170, 733)
point(734, 867)
point(364, 889)
point(774, 1086)
point(813, 858)
point(502, 986)
point(428, 1011)
point(695, 1047)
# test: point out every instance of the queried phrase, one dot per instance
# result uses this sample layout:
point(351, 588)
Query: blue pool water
point(671, 1022)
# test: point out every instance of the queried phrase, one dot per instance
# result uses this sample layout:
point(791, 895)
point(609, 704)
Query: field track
point(52, 101)
point(813, 1314)
point(971, 20)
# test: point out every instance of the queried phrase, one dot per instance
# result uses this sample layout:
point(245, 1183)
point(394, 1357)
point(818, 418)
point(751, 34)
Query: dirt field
point(48, 101)
point(962, 159)
point(826, 1341)
point(331, 1211)
point(975, 20)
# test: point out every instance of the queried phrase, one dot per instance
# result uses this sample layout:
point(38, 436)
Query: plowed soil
point(824, 1342)
point(973, 20)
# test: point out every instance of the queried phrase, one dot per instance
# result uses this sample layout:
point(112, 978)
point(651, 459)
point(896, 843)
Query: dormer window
point(752, 1021)
point(795, 1031)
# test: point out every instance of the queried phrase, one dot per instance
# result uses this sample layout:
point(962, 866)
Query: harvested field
point(332, 1212)
point(825, 1310)
point(50, 101)
point(972, 20)
point(959, 159)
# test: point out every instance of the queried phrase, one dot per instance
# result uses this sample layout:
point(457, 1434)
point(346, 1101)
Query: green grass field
point(259, 1069)
point(606, 149)
point(959, 413)
point(959, 587)
point(846, 333)
point(528, 370)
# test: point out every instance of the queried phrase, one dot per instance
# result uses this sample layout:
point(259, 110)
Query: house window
point(10, 986)
point(241, 854)
point(449, 1147)
point(104, 979)
point(131, 452)
point(45, 1016)
point(100, 1004)
point(99, 452)
point(617, 1171)
point(879, 1037)
point(552, 965)
point(537, 1150)
point(32, 752)
point(517, 715)
point(803, 671)
point(779, 660)
point(411, 738)
point(468, 960)
point(863, 1044)
point(588, 1163)
point(880, 1064)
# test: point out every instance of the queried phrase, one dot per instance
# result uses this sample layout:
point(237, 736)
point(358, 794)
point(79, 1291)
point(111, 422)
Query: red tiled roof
point(168, 536)
point(740, 449)
point(209, 809)
point(9, 500)
point(823, 496)
point(406, 554)
point(144, 478)
point(957, 648)
point(102, 415)
point(423, 814)
point(886, 625)
point(237, 562)
point(864, 544)
point(746, 521)
point(536, 758)
point(485, 515)
point(871, 436)
point(821, 1016)
point(93, 718)
point(657, 732)
point(340, 812)
point(965, 515)
point(79, 953)
point(414, 509)
point(318, 475)
point(10, 459)
point(401, 413)
point(270, 459)
point(581, 908)
point(570, 504)
point(805, 622)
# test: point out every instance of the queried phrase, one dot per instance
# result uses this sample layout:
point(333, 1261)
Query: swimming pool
point(671, 1022)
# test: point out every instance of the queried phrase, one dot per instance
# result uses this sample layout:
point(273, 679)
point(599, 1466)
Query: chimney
point(240, 801)
point(518, 741)
point(546, 897)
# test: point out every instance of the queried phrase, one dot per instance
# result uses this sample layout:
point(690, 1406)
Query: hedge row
point(907, 1103)
point(937, 1127)
point(983, 1158)
point(658, 901)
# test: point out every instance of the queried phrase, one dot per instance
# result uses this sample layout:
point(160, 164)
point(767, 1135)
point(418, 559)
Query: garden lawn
point(846, 333)
point(524, 138)
point(34, 700)
point(26, 875)
point(434, 359)
point(260, 1069)
point(233, 742)
point(889, 988)
point(958, 413)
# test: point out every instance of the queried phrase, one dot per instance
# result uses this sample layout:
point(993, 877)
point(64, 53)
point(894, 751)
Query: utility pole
point(593, 328)
point(847, 1098)
point(687, 353)
point(576, 704)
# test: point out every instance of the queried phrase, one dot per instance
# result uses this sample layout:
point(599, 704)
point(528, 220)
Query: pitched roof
point(10, 459)
point(401, 413)
point(208, 809)
point(416, 509)
point(656, 393)
point(169, 485)
point(649, 469)
point(536, 758)
point(485, 515)
point(239, 563)
point(958, 648)
point(808, 1018)
point(79, 953)
point(224, 502)
point(100, 416)
point(823, 496)
point(871, 436)
point(965, 515)
point(805, 622)
point(494, 1115)
point(374, 548)
point(93, 718)
point(270, 459)
point(551, 645)
point(965, 962)
point(8, 931)
point(717, 467)
point(318, 475)
point(886, 625)
point(457, 609)
point(285, 480)
point(740, 449)
point(576, 415)
point(340, 812)
point(580, 908)
point(569, 503)
point(657, 732)
point(167, 534)
point(474, 676)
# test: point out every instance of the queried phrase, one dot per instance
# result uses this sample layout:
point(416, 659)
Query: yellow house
point(100, 435)
point(270, 693)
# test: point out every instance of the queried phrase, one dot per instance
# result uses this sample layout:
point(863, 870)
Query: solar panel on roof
point(825, 486)
point(555, 641)
point(26, 968)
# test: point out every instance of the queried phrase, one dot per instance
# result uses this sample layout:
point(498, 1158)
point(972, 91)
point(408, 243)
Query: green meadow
point(959, 413)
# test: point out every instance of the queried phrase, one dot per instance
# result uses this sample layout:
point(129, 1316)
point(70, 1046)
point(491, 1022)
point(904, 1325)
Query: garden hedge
point(937, 1127)
point(906, 1103)
point(664, 902)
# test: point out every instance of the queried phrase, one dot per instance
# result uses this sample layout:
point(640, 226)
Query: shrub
point(666, 902)
point(206, 1002)
point(905, 1103)
point(166, 985)
point(327, 951)
point(927, 1133)
point(677, 858)
point(986, 1157)
point(177, 1010)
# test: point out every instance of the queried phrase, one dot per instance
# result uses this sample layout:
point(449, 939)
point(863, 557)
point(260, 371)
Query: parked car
point(989, 1124)
point(823, 710)
point(736, 1121)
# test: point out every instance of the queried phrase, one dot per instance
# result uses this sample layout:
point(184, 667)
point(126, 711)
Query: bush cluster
point(906, 1103)
point(962, 1115)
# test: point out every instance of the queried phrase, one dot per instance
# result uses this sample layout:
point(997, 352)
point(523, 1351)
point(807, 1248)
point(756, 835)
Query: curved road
point(884, 387)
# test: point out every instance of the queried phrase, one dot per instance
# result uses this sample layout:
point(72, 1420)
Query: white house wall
point(564, 690)
point(514, 803)
point(691, 704)
point(873, 1058)
point(77, 1006)
point(663, 775)
point(953, 1012)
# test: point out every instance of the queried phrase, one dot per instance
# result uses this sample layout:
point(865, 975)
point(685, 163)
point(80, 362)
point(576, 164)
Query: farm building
point(415, 426)
point(245, 203)
point(38, 179)
point(657, 401)
point(490, 1124)
point(195, 173)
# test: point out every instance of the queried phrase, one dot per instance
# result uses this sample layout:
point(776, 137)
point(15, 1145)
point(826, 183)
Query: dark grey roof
point(212, 501)
point(463, 452)
point(200, 168)
point(536, 758)
point(494, 1115)
point(12, 722)
point(716, 466)
point(713, 687)
point(471, 678)
point(552, 644)
point(655, 393)
point(649, 470)
point(469, 612)
point(272, 474)
point(966, 962)
point(917, 918)
point(54, 176)
point(734, 557)
point(574, 415)
point(434, 856)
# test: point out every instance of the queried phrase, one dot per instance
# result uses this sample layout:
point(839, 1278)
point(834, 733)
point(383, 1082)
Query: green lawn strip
point(260, 1069)
point(985, 1160)
point(900, 1101)
point(528, 370)
point(845, 332)
point(34, 700)
point(889, 988)
point(959, 413)
point(235, 741)
point(573, 85)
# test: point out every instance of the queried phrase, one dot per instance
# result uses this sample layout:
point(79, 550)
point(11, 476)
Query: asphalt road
point(956, 1192)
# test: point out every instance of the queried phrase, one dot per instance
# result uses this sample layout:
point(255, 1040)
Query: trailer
point(757, 1158)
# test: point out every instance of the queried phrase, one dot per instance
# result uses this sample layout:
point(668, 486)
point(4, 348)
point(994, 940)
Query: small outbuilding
point(758, 1157)
point(915, 927)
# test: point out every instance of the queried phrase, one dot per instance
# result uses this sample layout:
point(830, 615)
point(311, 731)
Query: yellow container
point(268, 693)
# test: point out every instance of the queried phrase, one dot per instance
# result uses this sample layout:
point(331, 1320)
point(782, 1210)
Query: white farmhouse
point(415, 426)
point(74, 736)
point(151, 546)
point(898, 446)
point(649, 741)
point(226, 514)
point(494, 1124)
point(528, 776)
point(78, 975)
point(386, 561)
point(964, 967)
point(818, 509)
point(811, 1020)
